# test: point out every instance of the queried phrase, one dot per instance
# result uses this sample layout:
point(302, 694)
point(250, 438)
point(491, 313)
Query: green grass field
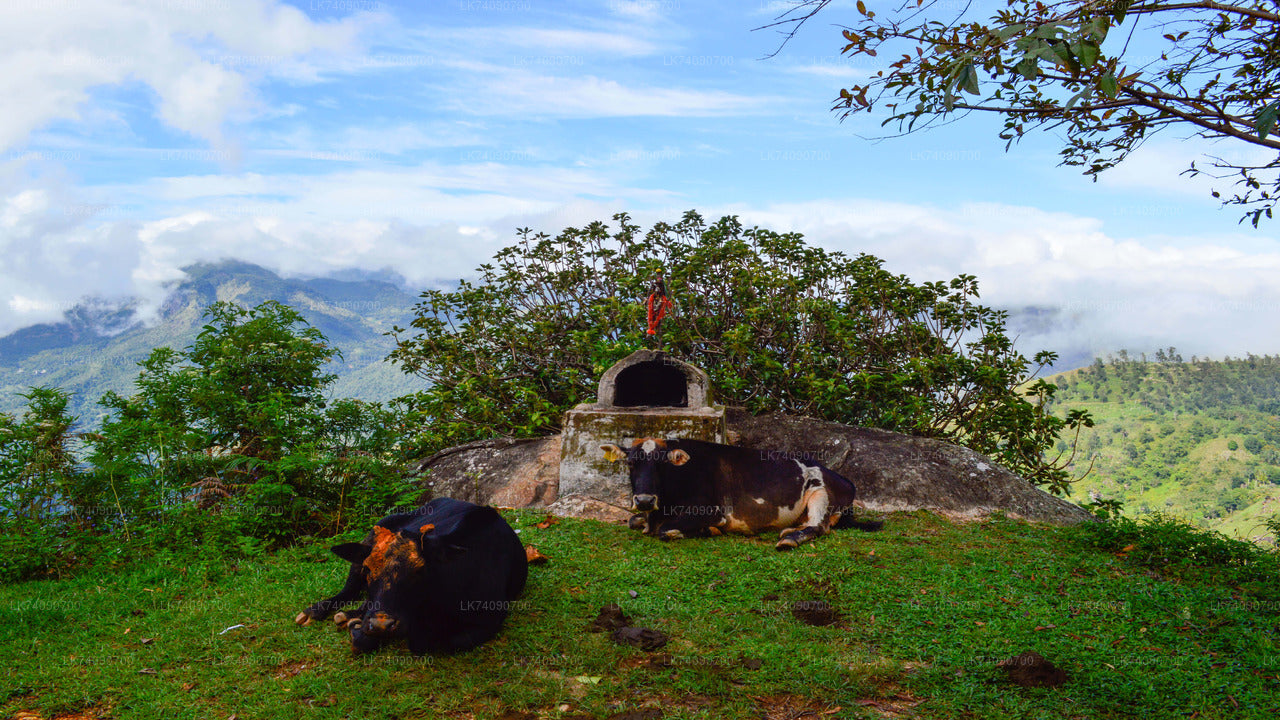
point(927, 610)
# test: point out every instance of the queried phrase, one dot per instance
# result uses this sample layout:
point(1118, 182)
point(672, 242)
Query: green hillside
point(1199, 440)
point(96, 348)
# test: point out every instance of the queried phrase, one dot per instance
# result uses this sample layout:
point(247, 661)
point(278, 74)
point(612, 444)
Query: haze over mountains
point(97, 345)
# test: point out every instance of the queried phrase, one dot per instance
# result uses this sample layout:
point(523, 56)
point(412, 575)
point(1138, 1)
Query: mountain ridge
point(98, 343)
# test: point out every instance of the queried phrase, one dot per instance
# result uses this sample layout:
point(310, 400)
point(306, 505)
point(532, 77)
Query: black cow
point(689, 488)
point(443, 578)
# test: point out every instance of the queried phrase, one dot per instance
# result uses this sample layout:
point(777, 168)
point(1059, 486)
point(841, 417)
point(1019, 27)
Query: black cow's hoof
point(638, 522)
point(340, 619)
point(302, 618)
point(786, 543)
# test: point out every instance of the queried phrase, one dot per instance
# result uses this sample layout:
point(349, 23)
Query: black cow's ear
point(352, 552)
point(613, 453)
point(678, 457)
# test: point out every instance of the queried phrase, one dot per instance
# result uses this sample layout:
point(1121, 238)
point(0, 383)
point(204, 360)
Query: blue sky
point(314, 136)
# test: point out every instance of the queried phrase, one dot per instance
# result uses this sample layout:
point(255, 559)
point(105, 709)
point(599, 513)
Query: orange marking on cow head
point(382, 541)
point(392, 554)
point(659, 442)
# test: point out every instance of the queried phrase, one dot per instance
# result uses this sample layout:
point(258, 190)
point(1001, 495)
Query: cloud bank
point(1072, 287)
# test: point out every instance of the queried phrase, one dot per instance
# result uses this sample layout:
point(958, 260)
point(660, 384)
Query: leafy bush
point(37, 468)
point(1160, 541)
point(777, 324)
point(228, 445)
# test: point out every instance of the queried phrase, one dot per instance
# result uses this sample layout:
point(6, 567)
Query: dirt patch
point(656, 661)
point(1030, 669)
point(643, 714)
point(288, 670)
point(793, 707)
point(815, 612)
point(898, 705)
point(91, 713)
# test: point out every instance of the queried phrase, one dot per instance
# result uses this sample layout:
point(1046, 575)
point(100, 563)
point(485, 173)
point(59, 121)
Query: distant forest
point(1196, 438)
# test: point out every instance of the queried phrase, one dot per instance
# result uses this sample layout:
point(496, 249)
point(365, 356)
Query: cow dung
point(815, 612)
point(1030, 669)
point(643, 638)
point(610, 618)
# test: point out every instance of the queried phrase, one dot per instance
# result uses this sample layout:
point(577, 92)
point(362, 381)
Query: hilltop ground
point(925, 611)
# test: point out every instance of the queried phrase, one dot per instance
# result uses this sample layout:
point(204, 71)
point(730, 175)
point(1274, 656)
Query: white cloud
point(559, 42)
point(200, 59)
point(587, 96)
point(1158, 165)
point(831, 71)
point(1203, 295)
point(1091, 292)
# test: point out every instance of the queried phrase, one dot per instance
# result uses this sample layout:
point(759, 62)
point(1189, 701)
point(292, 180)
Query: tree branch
point(1205, 5)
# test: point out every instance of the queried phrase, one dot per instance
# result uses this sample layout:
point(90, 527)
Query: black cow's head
point(396, 568)
point(644, 460)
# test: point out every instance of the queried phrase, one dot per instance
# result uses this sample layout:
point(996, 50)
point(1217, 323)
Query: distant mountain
point(1198, 439)
point(97, 345)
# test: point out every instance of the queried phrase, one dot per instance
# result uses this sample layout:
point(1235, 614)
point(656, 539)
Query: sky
point(323, 135)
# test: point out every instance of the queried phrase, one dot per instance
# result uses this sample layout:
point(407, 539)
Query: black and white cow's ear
point(352, 552)
point(678, 457)
point(613, 453)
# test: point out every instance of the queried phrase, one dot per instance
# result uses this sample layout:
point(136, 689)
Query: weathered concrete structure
point(646, 394)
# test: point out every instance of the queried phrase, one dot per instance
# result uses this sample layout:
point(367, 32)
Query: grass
point(928, 608)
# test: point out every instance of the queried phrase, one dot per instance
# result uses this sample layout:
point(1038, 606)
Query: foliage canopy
point(777, 324)
point(229, 443)
point(1105, 74)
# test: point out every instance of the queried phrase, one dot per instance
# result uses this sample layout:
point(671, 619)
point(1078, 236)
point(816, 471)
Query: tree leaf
point(967, 80)
point(1267, 119)
point(1088, 52)
point(1009, 31)
point(1108, 85)
point(1119, 9)
point(1028, 68)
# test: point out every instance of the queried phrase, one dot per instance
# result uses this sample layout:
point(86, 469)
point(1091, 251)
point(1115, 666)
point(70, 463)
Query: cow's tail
point(847, 521)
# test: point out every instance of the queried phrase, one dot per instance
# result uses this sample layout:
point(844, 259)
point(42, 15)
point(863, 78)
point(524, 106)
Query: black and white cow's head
point(644, 460)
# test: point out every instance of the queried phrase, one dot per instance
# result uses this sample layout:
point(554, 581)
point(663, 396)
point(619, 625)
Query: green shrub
point(1163, 542)
point(228, 446)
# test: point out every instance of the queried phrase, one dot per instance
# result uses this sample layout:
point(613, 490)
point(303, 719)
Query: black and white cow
point(691, 488)
point(443, 578)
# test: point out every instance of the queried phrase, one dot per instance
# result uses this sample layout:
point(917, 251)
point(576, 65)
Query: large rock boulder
point(501, 471)
point(892, 472)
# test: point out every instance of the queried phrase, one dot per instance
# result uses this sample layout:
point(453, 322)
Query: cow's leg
point(816, 503)
point(350, 592)
point(683, 526)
